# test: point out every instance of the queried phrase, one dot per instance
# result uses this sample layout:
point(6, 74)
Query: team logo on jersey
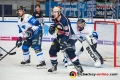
point(23, 26)
point(66, 28)
point(72, 74)
point(53, 43)
point(56, 30)
point(59, 26)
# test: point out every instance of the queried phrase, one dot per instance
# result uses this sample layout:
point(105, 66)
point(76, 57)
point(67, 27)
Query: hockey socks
point(40, 56)
point(26, 55)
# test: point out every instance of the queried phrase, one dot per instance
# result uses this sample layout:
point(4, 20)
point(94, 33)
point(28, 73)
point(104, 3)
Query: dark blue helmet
point(81, 20)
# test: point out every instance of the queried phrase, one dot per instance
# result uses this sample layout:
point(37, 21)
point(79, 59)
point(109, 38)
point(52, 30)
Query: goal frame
point(115, 37)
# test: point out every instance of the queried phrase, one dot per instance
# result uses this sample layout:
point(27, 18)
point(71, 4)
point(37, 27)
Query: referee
point(38, 14)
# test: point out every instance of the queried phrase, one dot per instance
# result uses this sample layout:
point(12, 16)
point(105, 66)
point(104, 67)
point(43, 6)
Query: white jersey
point(28, 22)
point(86, 31)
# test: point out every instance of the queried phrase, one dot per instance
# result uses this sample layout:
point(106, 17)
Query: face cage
point(83, 25)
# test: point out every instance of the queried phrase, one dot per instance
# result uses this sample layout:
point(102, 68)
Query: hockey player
point(62, 41)
point(30, 29)
point(83, 32)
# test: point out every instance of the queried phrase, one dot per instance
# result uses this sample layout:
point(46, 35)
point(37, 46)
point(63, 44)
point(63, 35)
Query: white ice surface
point(10, 68)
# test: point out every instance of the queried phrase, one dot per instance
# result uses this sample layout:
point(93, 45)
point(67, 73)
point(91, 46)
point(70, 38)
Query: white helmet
point(57, 8)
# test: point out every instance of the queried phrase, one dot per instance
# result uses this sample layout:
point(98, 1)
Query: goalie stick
point(8, 52)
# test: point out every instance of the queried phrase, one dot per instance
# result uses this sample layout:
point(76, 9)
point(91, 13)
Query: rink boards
point(10, 68)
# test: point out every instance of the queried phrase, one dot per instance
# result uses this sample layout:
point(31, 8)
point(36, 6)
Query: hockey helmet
point(81, 20)
point(57, 8)
point(80, 24)
point(21, 8)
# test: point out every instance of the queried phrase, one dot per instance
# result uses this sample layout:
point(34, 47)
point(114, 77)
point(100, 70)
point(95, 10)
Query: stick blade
point(13, 53)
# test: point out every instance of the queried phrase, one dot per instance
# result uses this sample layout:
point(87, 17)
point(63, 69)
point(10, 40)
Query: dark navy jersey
point(64, 31)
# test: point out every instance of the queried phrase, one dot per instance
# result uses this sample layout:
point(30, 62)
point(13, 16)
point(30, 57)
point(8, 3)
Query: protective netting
point(109, 33)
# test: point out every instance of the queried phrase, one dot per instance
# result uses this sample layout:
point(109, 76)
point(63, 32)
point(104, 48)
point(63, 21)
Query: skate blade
point(65, 65)
point(25, 65)
point(42, 67)
point(79, 74)
point(54, 72)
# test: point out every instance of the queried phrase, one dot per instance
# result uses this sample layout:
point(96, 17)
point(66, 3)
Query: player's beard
point(22, 15)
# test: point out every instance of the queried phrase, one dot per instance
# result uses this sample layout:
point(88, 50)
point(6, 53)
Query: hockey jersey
point(26, 23)
point(65, 31)
point(86, 31)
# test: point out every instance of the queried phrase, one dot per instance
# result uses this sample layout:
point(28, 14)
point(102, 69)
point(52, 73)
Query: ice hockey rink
point(10, 68)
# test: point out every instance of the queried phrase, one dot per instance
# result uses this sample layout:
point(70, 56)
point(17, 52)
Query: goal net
point(109, 41)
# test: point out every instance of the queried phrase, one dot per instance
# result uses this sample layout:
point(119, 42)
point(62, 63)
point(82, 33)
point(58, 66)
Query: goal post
point(102, 27)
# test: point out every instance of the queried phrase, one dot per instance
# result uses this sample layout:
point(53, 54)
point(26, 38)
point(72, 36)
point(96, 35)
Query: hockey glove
point(19, 42)
point(63, 45)
point(52, 29)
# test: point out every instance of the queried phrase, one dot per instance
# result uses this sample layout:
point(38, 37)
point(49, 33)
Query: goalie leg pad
point(78, 48)
point(92, 52)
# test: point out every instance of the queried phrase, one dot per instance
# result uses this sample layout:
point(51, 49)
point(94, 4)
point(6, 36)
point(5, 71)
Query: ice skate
point(79, 70)
point(65, 62)
point(27, 63)
point(53, 69)
point(41, 65)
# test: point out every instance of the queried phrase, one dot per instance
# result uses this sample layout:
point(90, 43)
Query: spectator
point(38, 14)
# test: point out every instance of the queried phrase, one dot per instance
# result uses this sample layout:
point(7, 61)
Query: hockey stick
point(7, 52)
point(12, 53)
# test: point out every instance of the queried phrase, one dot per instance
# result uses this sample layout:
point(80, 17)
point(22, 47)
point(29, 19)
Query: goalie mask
point(80, 24)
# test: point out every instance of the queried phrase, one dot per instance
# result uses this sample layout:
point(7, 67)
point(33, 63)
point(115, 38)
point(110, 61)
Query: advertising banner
point(91, 8)
point(100, 9)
